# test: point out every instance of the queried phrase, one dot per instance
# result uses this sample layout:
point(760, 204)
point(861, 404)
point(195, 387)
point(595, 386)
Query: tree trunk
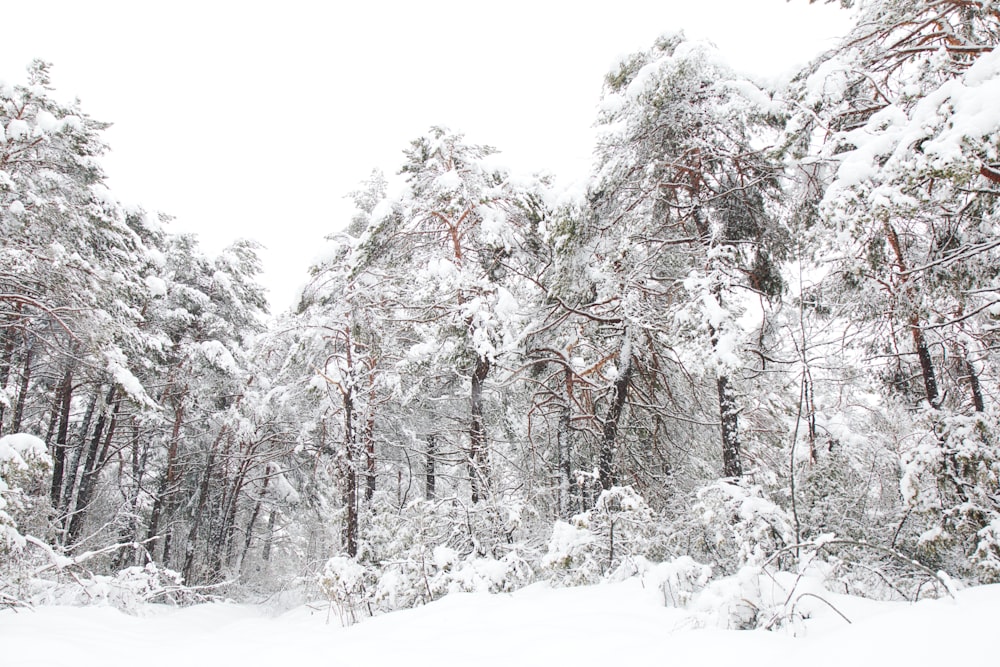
point(732, 464)
point(609, 435)
point(919, 340)
point(350, 477)
point(926, 363)
point(271, 520)
point(369, 440)
point(167, 483)
point(203, 490)
point(369, 436)
point(70, 477)
point(564, 463)
point(564, 451)
point(223, 545)
point(478, 472)
point(65, 394)
point(253, 519)
point(91, 470)
point(22, 394)
point(729, 418)
point(128, 532)
point(429, 480)
point(977, 391)
point(50, 432)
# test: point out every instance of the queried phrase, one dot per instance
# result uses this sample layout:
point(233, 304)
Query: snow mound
point(619, 623)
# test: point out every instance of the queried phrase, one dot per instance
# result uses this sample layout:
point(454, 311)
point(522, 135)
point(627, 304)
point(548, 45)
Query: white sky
point(255, 119)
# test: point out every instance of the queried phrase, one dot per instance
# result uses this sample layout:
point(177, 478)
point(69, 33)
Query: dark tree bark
point(22, 394)
point(223, 542)
point(977, 391)
point(91, 468)
point(76, 454)
point(913, 321)
point(269, 541)
point(248, 541)
point(369, 439)
point(129, 528)
point(199, 511)
point(65, 394)
point(564, 451)
point(429, 479)
point(168, 482)
point(732, 462)
point(564, 463)
point(350, 476)
point(368, 436)
point(729, 418)
point(612, 421)
point(477, 432)
point(926, 363)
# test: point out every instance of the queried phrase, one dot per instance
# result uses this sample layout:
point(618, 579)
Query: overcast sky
point(255, 119)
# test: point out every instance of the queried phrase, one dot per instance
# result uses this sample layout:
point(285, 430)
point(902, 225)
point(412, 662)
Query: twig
point(931, 574)
point(59, 562)
point(824, 601)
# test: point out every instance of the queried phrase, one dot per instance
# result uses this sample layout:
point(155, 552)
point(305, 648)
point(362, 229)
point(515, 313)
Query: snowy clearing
point(595, 625)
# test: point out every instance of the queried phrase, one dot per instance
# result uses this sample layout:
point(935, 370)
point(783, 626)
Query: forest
point(763, 336)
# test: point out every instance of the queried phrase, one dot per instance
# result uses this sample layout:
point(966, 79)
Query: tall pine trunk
point(477, 431)
point(368, 436)
point(129, 527)
point(564, 447)
point(926, 363)
point(223, 541)
point(429, 474)
point(92, 467)
point(612, 420)
point(168, 483)
point(203, 491)
point(974, 387)
point(65, 394)
point(71, 478)
point(22, 394)
point(732, 461)
point(248, 540)
point(913, 321)
point(350, 477)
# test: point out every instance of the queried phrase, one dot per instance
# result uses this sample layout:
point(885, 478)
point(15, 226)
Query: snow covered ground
point(622, 623)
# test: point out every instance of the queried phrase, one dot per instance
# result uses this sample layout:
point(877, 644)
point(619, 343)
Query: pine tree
point(684, 196)
point(909, 212)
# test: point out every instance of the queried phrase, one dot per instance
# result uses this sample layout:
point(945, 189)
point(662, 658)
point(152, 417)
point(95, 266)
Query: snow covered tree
point(903, 113)
point(684, 198)
point(73, 267)
point(463, 229)
point(208, 313)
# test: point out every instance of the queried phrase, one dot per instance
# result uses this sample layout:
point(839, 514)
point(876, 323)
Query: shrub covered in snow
point(739, 526)
point(951, 484)
point(24, 468)
point(681, 580)
point(423, 552)
point(570, 556)
point(619, 527)
point(347, 584)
